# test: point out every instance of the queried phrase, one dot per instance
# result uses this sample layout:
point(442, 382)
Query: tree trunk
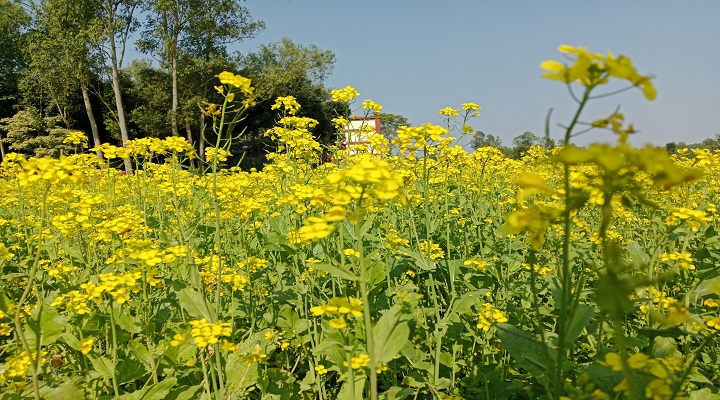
point(118, 99)
point(173, 112)
point(2, 148)
point(188, 131)
point(91, 117)
point(201, 139)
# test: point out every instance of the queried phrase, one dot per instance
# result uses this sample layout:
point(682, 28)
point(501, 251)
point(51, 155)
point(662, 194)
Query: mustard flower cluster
point(487, 315)
point(295, 137)
point(205, 333)
point(359, 362)
point(147, 147)
point(48, 170)
point(119, 287)
point(287, 103)
point(660, 372)
point(693, 218)
point(339, 307)
point(77, 138)
point(370, 105)
point(410, 140)
point(592, 69)
point(213, 154)
point(431, 250)
point(237, 81)
point(684, 259)
point(346, 94)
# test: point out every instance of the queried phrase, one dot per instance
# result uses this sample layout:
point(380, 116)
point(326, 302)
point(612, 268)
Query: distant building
point(357, 130)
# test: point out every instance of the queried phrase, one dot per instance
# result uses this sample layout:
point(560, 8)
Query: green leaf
point(604, 377)
point(127, 322)
point(159, 390)
point(102, 365)
point(580, 319)
point(240, 375)
point(5, 303)
point(183, 393)
point(397, 393)
point(704, 394)
point(422, 262)
point(66, 390)
point(528, 353)
point(140, 352)
point(464, 304)
point(638, 254)
point(50, 326)
point(389, 335)
point(130, 369)
point(74, 253)
point(71, 340)
point(347, 387)
point(336, 272)
point(195, 304)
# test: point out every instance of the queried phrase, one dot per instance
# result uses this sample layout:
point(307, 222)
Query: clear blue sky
point(416, 57)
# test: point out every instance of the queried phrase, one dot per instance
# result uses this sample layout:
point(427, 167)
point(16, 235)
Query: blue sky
point(416, 57)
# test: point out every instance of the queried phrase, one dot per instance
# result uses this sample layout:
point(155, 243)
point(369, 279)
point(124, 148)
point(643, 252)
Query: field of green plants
point(573, 273)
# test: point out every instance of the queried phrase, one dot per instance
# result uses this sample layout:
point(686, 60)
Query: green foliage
point(12, 22)
point(28, 132)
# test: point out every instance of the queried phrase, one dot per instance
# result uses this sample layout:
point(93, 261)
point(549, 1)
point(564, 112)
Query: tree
point(148, 99)
point(671, 147)
point(481, 139)
point(193, 32)
point(60, 70)
point(389, 124)
point(12, 20)
point(30, 133)
point(117, 20)
point(523, 143)
point(284, 68)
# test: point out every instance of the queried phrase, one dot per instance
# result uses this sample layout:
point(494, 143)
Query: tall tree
point(117, 23)
point(285, 68)
point(522, 143)
point(61, 69)
point(12, 20)
point(176, 29)
point(482, 139)
point(389, 124)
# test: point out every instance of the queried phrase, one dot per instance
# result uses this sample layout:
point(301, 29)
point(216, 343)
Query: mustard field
point(403, 269)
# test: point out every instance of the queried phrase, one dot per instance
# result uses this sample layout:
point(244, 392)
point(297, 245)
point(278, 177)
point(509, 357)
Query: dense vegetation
point(404, 268)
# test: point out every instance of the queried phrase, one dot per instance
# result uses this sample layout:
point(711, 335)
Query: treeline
point(522, 143)
point(64, 67)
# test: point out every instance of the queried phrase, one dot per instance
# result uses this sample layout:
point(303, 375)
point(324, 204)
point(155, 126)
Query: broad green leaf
point(102, 365)
point(74, 253)
point(5, 303)
point(66, 390)
point(159, 390)
point(140, 352)
point(389, 335)
point(527, 352)
point(704, 394)
point(347, 387)
point(239, 375)
point(195, 304)
point(130, 369)
point(183, 393)
point(580, 319)
point(336, 272)
point(638, 254)
point(127, 322)
point(50, 326)
point(397, 393)
point(467, 300)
